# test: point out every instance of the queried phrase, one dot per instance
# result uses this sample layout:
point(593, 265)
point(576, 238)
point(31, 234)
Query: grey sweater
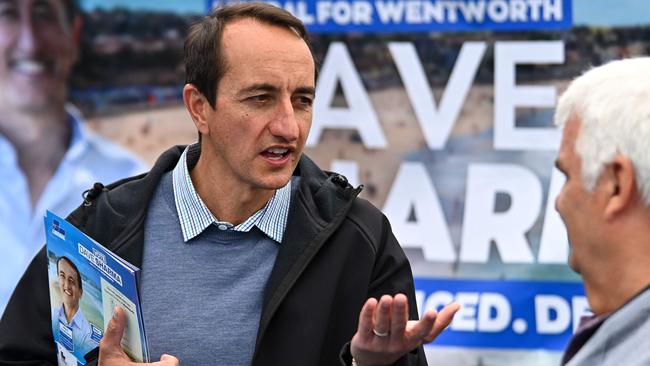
point(201, 300)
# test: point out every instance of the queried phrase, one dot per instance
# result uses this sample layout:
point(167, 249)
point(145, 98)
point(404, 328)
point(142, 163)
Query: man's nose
point(27, 40)
point(285, 124)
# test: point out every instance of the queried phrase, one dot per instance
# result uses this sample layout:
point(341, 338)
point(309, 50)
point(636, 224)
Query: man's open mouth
point(276, 153)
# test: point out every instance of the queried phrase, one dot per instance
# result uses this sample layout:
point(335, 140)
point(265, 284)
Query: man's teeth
point(29, 67)
point(277, 151)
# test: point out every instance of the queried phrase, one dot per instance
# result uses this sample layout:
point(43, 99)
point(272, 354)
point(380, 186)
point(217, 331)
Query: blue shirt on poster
point(89, 159)
point(75, 336)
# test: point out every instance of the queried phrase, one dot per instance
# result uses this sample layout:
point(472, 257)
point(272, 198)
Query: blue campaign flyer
point(86, 282)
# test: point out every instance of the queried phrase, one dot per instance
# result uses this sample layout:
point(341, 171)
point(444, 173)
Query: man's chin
point(275, 180)
point(36, 101)
point(274, 185)
point(573, 263)
point(37, 106)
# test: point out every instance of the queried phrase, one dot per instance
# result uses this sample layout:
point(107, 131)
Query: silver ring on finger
point(380, 334)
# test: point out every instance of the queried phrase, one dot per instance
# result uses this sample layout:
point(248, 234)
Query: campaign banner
point(381, 16)
point(441, 111)
point(508, 314)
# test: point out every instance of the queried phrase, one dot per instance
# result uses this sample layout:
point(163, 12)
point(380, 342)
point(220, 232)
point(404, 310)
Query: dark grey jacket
point(337, 251)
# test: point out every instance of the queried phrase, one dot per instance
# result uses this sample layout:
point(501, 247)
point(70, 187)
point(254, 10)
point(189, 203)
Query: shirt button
point(222, 227)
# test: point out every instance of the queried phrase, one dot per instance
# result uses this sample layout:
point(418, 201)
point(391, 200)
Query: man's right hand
point(110, 348)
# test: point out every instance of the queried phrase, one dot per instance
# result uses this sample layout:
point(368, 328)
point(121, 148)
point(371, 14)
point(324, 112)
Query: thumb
point(167, 360)
point(112, 338)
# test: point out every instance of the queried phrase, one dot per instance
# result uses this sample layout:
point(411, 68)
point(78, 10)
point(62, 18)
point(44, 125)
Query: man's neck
point(40, 141)
point(227, 200)
point(603, 302)
point(70, 312)
point(620, 276)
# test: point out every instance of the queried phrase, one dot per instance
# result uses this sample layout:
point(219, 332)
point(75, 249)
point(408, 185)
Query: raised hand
point(385, 333)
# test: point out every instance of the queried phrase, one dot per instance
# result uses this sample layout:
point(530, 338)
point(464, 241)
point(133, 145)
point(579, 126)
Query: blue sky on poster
point(585, 12)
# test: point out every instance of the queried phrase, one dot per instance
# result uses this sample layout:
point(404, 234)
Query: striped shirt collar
point(195, 216)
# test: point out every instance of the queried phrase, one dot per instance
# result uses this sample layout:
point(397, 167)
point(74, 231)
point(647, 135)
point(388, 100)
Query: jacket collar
point(116, 216)
point(125, 202)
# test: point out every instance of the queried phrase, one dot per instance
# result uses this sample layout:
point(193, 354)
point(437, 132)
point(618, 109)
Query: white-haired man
point(605, 204)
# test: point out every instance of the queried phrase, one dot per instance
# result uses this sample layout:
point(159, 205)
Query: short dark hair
point(204, 61)
point(74, 266)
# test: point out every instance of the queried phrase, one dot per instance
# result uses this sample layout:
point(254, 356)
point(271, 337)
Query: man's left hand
point(385, 334)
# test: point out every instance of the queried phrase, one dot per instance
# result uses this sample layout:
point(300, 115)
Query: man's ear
point(198, 106)
point(620, 185)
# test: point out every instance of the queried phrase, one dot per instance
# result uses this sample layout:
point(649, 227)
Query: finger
point(399, 316)
point(421, 328)
point(365, 319)
point(382, 315)
point(112, 339)
point(443, 320)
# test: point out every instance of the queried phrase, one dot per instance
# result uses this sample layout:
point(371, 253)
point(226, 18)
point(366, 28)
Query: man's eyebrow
point(271, 88)
point(258, 87)
point(305, 90)
point(559, 165)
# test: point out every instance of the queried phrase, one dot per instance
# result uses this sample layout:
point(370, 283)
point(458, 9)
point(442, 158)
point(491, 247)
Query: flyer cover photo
point(86, 282)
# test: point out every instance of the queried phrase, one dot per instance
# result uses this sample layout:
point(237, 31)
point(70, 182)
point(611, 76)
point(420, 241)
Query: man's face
point(578, 207)
point(69, 284)
point(264, 105)
point(37, 52)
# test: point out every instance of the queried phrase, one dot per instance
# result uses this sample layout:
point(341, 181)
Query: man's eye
point(44, 11)
point(8, 11)
point(305, 101)
point(262, 98)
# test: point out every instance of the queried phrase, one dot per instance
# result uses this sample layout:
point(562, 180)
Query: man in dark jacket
point(250, 254)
